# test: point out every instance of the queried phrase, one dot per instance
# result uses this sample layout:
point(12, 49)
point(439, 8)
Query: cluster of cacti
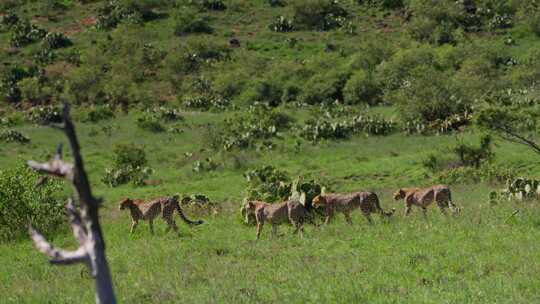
point(11, 135)
point(129, 166)
point(113, 12)
point(281, 24)
point(519, 189)
point(439, 126)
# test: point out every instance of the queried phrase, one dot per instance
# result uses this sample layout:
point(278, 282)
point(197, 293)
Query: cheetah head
point(248, 209)
point(125, 203)
point(318, 201)
point(399, 194)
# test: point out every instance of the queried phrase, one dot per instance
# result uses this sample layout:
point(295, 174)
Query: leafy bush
point(215, 5)
point(55, 41)
point(474, 156)
point(193, 54)
point(98, 113)
point(25, 33)
point(324, 88)
point(33, 90)
point(8, 20)
point(21, 202)
point(321, 15)
point(485, 173)
point(204, 166)
point(385, 4)
point(8, 82)
point(362, 88)
point(268, 184)
point(150, 123)
point(113, 12)
point(13, 136)
point(165, 113)
point(276, 3)
point(260, 123)
point(281, 24)
point(44, 115)
point(129, 166)
point(187, 22)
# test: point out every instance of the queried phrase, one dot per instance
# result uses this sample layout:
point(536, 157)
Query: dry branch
point(84, 222)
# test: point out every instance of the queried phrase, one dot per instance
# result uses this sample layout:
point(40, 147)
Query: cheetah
point(368, 202)
point(289, 211)
point(164, 206)
point(424, 197)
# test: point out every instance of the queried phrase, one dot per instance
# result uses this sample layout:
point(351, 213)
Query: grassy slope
point(477, 257)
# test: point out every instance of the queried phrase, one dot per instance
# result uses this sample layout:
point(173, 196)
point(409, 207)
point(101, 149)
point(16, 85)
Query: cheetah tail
point(185, 219)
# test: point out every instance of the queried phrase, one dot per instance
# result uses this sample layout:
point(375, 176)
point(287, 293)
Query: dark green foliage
point(385, 4)
point(98, 113)
point(55, 41)
point(205, 97)
point(324, 88)
point(267, 184)
point(9, 79)
point(276, 3)
point(113, 12)
point(129, 166)
point(474, 156)
point(467, 175)
point(11, 135)
point(8, 20)
point(259, 124)
point(320, 15)
point(194, 54)
point(187, 22)
point(165, 114)
point(215, 5)
point(22, 202)
point(150, 123)
point(362, 88)
point(25, 33)
point(281, 24)
point(44, 115)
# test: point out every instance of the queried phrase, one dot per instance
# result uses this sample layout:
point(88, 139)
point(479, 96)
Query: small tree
point(84, 222)
point(505, 123)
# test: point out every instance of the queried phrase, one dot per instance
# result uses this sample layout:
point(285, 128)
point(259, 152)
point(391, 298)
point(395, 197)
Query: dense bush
point(33, 90)
point(281, 24)
point(259, 124)
point(474, 156)
point(324, 88)
point(129, 166)
point(150, 123)
point(362, 88)
point(25, 33)
point(11, 135)
point(98, 113)
point(187, 22)
point(113, 12)
point(44, 115)
point(268, 184)
point(466, 175)
point(22, 202)
point(386, 4)
point(55, 41)
point(193, 54)
point(321, 15)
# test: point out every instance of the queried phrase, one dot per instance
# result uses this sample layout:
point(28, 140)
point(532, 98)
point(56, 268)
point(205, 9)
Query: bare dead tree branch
point(512, 136)
point(84, 222)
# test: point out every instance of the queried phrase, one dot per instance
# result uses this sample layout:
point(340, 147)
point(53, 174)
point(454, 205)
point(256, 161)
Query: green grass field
point(480, 256)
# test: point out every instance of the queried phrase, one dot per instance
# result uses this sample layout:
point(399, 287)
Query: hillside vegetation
point(224, 100)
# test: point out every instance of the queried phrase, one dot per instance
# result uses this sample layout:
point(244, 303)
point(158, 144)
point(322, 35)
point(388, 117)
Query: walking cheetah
point(368, 202)
point(164, 206)
point(275, 214)
point(424, 197)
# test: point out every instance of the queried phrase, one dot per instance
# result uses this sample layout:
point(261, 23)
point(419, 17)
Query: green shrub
point(281, 24)
point(187, 22)
point(276, 3)
point(362, 88)
point(385, 4)
point(129, 166)
point(34, 91)
point(25, 33)
point(10, 77)
point(44, 115)
point(13, 136)
point(55, 41)
point(324, 88)
point(113, 12)
point(466, 175)
point(268, 184)
point(321, 15)
point(474, 156)
point(98, 113)
point(215, 5)
point(9, 20)
point(193, 54)
point(150, 123)
point(22, 202)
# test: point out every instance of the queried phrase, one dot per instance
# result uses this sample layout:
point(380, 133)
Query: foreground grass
point(481, 256)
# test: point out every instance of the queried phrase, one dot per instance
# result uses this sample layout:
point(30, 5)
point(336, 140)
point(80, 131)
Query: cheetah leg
point(329, 215)
point(133, 225)
point(369, 218)
point(408, 208)
point(151, 225)
point(274, 230)
point(171, 225)
point(259, 229)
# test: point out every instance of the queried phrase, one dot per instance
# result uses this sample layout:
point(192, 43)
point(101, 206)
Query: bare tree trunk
point(84, 223)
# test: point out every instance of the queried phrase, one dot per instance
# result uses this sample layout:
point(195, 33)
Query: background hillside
point(233, 99)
